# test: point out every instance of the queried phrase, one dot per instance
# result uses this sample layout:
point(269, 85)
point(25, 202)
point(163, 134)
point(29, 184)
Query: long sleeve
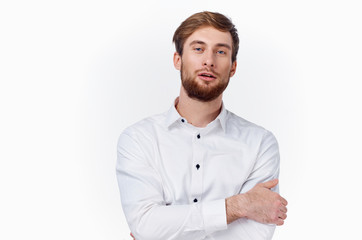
point(267, 163)
point(266, 168)
point(142, 197)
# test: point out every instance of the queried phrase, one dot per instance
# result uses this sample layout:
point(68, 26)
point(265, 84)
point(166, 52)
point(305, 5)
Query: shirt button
point(195, 200)
point(182, 120)
point(197, 166)
point(198, 136)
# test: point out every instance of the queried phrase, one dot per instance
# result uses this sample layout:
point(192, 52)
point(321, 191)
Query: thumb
point(269, 184)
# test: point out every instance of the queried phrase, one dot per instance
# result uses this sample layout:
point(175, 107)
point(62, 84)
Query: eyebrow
point(224, 45)
point(203, 43)
point(197, 42)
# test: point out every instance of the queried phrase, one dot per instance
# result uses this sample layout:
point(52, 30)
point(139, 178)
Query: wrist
point(243, 202)
point(236, 207)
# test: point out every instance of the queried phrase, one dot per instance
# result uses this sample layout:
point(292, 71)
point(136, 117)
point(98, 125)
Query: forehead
point(210, 36)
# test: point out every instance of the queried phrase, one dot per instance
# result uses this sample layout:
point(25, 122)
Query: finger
point(283, 209)
point(280, 222)
point(282, 216)
point(269, 184)
point(284, 202)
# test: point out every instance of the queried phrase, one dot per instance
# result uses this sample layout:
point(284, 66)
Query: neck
point(196, 112)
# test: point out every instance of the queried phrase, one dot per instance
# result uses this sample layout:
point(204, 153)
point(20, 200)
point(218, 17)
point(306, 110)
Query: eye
point(198, 49)
point(221, 52)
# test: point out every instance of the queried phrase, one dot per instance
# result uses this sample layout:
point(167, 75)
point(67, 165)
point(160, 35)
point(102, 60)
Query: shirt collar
point(222, 117)
point(172, 116)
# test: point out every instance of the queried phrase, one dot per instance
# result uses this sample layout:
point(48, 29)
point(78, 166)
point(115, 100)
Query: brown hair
point(202, 19)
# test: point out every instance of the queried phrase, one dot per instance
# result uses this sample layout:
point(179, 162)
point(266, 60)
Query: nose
point(208, 59)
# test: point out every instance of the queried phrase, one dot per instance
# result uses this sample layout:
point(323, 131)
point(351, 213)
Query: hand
point(259, 204)
point(264, 205)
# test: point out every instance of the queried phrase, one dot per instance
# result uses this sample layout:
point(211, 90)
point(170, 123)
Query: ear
point(233, 68)
point(177, 61)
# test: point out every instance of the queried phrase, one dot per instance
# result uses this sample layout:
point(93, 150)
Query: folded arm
point(149, 217)
point(259, 205)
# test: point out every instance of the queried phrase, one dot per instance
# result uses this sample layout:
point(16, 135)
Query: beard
point(203, 92)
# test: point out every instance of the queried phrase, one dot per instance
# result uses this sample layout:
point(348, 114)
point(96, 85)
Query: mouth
point(206, 76)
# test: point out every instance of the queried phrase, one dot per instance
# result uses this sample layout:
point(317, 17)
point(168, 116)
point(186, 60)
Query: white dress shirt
point(174, 177)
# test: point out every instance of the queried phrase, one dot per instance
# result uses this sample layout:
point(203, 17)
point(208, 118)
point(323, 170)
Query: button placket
point(197, 170)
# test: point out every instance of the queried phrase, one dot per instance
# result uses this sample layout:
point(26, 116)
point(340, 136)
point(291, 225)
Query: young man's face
point(205, 63)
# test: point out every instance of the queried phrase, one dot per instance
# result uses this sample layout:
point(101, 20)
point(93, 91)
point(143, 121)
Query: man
point(199, 171)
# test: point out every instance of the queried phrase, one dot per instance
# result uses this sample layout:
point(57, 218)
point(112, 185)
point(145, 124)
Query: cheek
point(192, 60)
point(189, 66)
point(226, 66)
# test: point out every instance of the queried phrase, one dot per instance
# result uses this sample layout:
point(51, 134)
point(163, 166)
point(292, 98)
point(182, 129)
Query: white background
point(75, 73)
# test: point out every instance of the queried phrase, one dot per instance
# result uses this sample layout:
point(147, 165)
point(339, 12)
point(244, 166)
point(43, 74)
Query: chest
point(200, 166)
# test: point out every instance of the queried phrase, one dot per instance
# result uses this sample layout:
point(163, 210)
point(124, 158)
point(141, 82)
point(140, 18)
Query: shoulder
point(246, 131)
point(236, 123)
point(145, 128)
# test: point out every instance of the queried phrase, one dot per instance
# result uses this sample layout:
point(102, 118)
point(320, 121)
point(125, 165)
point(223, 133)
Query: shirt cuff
point(214, 216)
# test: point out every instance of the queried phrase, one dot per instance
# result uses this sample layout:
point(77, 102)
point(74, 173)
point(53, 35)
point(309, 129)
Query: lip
point(207, 76)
